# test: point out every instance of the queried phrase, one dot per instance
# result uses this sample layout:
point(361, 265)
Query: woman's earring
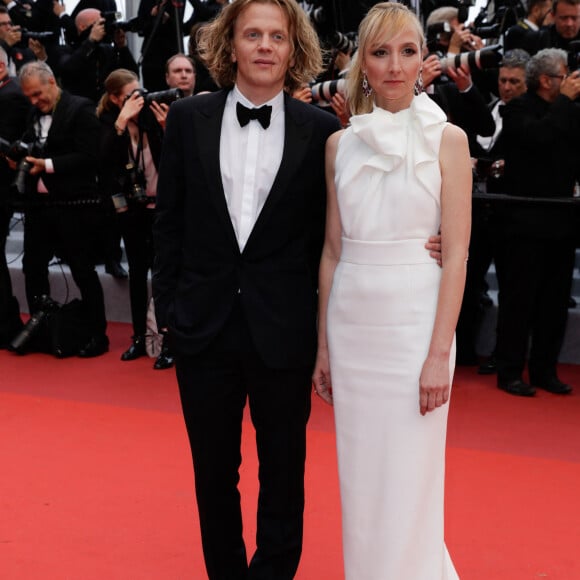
point(367, 90)
point(418, 89)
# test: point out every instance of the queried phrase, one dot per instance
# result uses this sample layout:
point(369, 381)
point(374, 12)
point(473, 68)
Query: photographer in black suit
point(62, 197)
point(83, 67)
point(14, 109)
point(564, 29)
point(541, 130)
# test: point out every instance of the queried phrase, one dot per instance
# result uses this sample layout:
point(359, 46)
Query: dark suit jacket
point(14, 107)
point(73, 146)
point(200, 272)
point(542, 148)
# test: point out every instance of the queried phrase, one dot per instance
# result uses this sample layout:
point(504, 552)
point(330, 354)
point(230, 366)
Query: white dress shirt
point(488, 142)
point(250, 157)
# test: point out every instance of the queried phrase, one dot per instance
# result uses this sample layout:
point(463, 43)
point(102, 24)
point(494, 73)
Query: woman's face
point(392, 67)
point(125, 92)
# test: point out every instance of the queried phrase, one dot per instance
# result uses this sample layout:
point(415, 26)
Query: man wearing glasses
point(542, 147)
point(10, 38)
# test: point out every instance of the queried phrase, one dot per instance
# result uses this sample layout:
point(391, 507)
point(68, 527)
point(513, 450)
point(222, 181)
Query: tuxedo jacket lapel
point(208, 124)
point(297, 132)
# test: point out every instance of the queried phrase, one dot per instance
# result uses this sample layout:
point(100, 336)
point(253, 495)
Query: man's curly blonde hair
point(215, 44)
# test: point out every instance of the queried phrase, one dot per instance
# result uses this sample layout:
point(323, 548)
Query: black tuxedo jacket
point(200, 272)
point(542, 148)
point(73, 146)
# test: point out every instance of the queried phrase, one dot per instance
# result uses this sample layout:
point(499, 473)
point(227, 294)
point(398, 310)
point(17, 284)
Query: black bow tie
point(262, 115)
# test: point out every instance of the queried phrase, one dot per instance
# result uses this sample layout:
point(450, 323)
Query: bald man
point(84, 67)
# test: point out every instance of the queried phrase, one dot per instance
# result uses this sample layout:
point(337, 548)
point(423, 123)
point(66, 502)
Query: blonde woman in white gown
point(388, 312)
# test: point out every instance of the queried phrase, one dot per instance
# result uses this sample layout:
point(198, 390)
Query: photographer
point(565, 29)
point(62, 196)
point(10, 41)
point(541, 130)
point(131, 136)
point(539, 14)
point(14, 109)
point(84, 67)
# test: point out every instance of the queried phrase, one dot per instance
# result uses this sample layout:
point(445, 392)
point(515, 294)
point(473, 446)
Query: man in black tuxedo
point(14, 109)
point(62, 195)
point(240, 219)
point(541, 130)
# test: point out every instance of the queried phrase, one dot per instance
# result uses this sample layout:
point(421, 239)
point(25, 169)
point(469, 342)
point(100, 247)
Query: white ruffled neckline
point(387, 134)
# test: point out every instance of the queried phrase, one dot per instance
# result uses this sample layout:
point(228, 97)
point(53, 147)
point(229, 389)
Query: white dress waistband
point(391, 253)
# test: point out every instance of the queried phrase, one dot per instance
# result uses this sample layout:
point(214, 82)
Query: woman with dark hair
point(131, 140)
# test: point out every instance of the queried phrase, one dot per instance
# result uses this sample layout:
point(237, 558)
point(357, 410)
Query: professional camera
point(574, 55)
point(324, 91)
point(167, 97)
point(344, 42)
point(17, 152)
point(488, 57)
point(134, 184)
point(45, 306)
point(489, 31)
point(41, 36)
point(137, 185)
point(113, 22)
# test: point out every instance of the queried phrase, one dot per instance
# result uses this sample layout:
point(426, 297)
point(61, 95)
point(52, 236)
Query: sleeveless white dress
point(380, 319)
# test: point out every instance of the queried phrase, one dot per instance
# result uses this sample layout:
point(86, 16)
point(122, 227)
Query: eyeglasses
point(561, 77)
point(8, 23)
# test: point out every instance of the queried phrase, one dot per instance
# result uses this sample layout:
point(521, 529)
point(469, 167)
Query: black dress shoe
point(116, 270)
point(572, 303)
point(489, 367)
point(164, 361)
point(516, 387)
point(97, 346)
point(553, 385)
point(136, 350)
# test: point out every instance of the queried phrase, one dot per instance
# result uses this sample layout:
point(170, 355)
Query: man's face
point(42, 94)
point(554, 83)
point(5, 25)
point(181, 75)
point(567, 20)
point(261, 48)
point(511, 83)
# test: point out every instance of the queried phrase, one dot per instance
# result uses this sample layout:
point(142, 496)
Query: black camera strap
point(137, 159)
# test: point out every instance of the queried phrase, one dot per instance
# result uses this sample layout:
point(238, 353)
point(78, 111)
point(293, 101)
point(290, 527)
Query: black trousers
point(482, 250)
point(214, 387)
point(68, 232)
point(136, 226)
point(535, 282)
point(10, 322)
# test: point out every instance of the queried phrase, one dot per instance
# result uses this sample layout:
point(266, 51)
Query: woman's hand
point(130, 109)
point(160, 111)
point(321, 381)
point(434, 383)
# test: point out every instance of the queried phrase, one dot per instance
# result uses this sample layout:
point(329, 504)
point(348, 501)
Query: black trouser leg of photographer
point(69, 229)
point(136, 228)
point(10, 322)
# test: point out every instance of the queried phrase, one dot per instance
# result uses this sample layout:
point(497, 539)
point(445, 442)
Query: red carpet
point(97, 484)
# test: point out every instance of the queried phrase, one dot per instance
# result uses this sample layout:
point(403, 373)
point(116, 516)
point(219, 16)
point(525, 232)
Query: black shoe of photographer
point(489, 367)
point(97, 346)
point(136, 350)
point(165, 359)
point(116, 270)
point(516, 387)
point(551, 384)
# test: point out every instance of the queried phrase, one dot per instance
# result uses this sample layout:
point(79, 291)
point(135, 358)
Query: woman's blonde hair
point(114, 84)
point(214, 44)
point(382, 23)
